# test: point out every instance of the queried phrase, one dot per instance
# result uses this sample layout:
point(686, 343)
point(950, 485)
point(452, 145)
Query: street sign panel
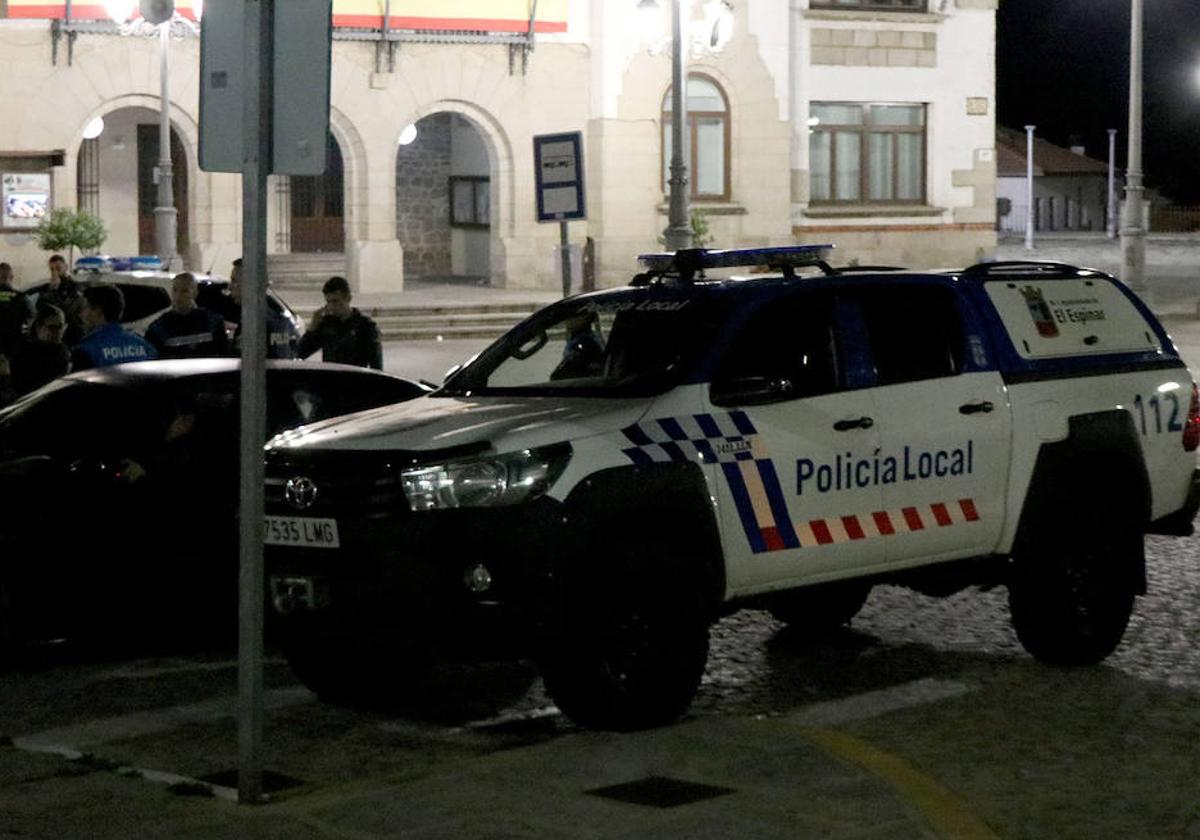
point(558, 173)
point(300, 118)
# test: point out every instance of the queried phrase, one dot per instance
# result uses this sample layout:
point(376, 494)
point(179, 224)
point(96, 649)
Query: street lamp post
point(679, 231)
point(1029, 215)
point(1111, 222)
point(1133, 230)
point(165, 219)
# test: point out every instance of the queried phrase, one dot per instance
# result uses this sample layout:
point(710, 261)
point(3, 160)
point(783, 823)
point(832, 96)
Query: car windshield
point(629, 343)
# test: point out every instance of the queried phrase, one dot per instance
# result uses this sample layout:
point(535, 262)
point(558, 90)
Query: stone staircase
point(442, 321)
point(303, 272)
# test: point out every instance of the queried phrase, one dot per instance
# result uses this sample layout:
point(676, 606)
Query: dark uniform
point(280, 337)
point(199, 332)
point(67, 297)
point(111, 344)
point(16, 311)
point(354, 341)
point(34, 363)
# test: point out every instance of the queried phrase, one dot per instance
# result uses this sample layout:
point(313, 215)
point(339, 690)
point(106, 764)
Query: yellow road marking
point(946, 812)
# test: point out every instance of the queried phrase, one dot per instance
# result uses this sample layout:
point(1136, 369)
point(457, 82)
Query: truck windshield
point(631, 343)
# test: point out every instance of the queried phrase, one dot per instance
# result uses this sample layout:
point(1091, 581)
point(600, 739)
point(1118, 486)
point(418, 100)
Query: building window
point(706, 143)
point(873, 5)
point(470, 201)
point(867, 153)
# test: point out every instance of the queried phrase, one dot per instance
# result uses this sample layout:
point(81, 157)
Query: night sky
point(1063, 65)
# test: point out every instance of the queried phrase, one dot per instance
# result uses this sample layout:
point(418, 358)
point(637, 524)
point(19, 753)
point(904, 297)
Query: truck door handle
point(976, 408)
point(857, 423)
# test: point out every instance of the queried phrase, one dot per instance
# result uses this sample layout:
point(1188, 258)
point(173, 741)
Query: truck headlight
point(495, 481)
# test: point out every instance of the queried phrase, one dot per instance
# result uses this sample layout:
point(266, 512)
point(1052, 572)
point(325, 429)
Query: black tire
point(820, 609)
point(1073, 587)
point(636, 660)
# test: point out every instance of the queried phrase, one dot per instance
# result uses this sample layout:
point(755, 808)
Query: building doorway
point(318, 223)
point(444, 200)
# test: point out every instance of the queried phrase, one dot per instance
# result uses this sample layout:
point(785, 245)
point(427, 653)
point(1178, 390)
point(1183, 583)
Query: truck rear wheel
point(1073, 588)
point(822, 608)
point(635, 660)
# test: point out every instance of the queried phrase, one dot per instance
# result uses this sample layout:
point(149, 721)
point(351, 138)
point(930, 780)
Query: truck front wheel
point(1073, 588)
point(635, 654)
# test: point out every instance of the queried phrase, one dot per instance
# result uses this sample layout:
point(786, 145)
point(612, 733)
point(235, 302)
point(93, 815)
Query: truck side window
point(915, 332)
point(784, 351)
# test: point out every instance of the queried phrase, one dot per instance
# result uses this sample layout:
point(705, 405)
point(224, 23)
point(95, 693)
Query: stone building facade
point(869, 125)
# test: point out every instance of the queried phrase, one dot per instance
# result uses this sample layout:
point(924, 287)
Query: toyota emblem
point(300, 492)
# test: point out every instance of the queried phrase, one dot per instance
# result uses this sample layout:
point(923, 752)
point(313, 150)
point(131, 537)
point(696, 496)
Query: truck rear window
point(1076, 317)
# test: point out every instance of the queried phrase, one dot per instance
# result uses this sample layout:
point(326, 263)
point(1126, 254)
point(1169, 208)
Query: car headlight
point(495, 481)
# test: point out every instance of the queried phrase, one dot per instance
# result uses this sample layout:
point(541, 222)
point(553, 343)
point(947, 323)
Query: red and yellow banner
point(470, 15)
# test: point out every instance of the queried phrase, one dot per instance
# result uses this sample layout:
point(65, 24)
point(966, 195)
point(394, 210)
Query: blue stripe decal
point(674, 452)
point(708, 425)
point(741, 500)
point(638, 456)
point(743, 456)
point(742, 422)
point(636, 436)
point(783, 521)
point(671, 426)
point(707, 455)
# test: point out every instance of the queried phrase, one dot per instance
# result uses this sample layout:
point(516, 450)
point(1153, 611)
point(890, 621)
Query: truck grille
point(341, 483)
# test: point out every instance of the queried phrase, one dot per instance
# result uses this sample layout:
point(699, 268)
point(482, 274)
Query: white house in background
point(1070, 189)
point(865, 123)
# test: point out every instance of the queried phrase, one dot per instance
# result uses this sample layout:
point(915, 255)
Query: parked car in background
point(120, 489)
point(147, 292)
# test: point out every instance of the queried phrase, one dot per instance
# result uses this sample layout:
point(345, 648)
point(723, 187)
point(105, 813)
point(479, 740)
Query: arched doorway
point(116, 180)
point(318, 204)
point(443, 200)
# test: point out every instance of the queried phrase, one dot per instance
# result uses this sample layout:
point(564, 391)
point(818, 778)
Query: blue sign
point(558, 172)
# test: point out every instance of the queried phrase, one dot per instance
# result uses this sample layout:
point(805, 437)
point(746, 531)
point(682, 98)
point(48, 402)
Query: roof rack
point(1039, 268)
point(685, 264)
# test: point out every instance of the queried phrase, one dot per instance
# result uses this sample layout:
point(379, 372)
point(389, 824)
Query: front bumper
point(473, 583)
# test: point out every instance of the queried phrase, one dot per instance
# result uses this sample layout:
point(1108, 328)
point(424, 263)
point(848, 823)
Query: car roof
point(135, 374)
point(143, 278)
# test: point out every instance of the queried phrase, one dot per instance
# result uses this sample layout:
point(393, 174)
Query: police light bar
point(141, 262)
point(698, 259)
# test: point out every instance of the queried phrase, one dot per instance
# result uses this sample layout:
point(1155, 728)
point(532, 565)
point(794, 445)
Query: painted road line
point(96, 732)
point(871, 704)
point(501, 720)
point(947, 813)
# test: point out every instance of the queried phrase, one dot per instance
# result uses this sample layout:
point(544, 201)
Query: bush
point(70, 229)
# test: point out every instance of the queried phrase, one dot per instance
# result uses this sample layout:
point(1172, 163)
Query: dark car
point(119, 491)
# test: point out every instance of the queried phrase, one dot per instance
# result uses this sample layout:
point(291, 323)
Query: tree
point(71, 229)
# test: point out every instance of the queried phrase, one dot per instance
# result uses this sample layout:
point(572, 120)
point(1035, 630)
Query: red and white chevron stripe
point(886, 523)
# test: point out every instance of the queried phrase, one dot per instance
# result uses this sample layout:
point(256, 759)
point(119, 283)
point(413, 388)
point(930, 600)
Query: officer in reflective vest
point(187, 331)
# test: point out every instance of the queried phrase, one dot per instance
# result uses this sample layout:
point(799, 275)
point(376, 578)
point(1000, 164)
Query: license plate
point(304, 531)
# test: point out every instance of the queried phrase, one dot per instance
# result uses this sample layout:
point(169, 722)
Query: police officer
point(186, 330)
point(107, 342)
point(16, 311)
point(280, 343)
point(62, 291)
point(341, 332)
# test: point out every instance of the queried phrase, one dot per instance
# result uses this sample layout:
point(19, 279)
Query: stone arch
point(183, 125)
point(500, 163)
point(354, 169)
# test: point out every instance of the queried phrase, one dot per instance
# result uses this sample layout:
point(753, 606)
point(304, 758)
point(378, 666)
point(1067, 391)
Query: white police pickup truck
point(625, 466)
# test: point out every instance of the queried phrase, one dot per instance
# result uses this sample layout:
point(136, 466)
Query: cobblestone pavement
point(1036, 752)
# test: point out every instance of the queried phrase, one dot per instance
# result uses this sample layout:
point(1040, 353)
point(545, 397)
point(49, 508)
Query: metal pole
point(1029, 187)
point(565, 247)
point(165, 221)
point(256, 165)
point(1111, 223)
point(678, 234)
point(1133, 229)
